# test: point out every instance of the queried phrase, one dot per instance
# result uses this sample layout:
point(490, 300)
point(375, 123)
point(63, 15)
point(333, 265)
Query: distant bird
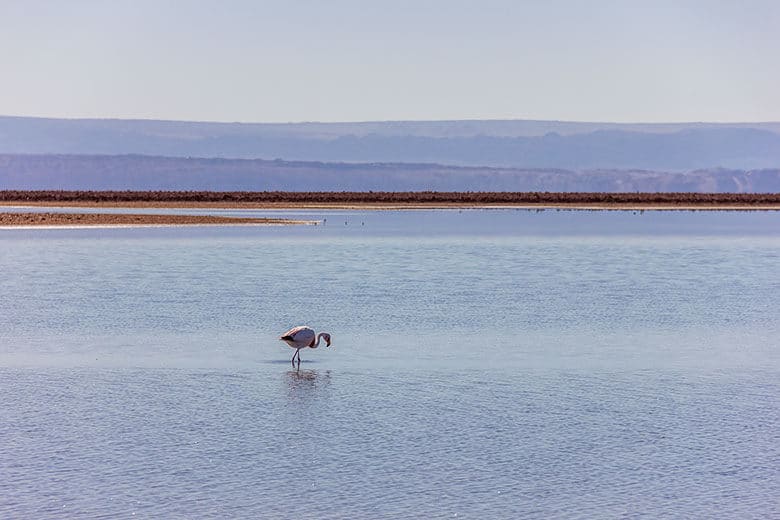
point(302, 337)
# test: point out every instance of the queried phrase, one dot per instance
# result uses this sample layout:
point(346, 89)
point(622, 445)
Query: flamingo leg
point(293, 358)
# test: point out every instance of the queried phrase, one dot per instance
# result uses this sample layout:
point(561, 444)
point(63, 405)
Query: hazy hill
point(523, 144)
point(134, 172)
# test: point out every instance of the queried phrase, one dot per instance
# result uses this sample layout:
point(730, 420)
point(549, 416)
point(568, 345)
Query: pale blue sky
point(343, 60)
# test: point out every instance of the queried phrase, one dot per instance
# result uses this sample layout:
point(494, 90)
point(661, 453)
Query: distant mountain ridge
point(319, 130)
point(521, 144)
point(138, 172)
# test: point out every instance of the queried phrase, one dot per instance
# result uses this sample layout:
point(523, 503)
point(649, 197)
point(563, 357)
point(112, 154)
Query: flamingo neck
point(319, 337)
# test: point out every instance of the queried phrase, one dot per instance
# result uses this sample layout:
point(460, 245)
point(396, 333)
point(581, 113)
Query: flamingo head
point(326, 337)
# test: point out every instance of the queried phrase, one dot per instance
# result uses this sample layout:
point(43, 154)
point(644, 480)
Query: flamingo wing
point(301, 336)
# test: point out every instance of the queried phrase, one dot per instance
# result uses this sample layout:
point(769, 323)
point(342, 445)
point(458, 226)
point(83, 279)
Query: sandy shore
point(618, 206)
point(104, 219)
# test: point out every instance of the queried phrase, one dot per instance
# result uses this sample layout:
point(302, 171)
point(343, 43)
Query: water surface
point(494, 364)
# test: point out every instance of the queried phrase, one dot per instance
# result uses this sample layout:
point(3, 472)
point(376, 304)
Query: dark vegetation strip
point(387, 197)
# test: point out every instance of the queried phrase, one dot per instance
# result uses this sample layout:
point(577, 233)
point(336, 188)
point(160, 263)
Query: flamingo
point(302, 337)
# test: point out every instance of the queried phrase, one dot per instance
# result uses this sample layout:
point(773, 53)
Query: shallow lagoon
point(486, 363)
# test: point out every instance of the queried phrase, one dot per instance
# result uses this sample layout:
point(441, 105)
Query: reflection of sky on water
point(485, 363)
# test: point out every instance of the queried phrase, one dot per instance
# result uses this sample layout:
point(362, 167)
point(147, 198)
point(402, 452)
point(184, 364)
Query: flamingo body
point(302, 337)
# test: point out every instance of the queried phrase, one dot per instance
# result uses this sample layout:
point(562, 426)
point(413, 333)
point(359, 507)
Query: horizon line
point(375, 121)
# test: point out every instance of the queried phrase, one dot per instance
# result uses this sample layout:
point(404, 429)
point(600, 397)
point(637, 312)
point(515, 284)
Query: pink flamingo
point(302, 337)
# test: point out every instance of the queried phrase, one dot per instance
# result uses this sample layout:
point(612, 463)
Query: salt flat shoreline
point(616, 206)
point(69, 220)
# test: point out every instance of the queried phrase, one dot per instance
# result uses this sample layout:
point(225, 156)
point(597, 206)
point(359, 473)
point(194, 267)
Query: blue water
point(486, 364)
